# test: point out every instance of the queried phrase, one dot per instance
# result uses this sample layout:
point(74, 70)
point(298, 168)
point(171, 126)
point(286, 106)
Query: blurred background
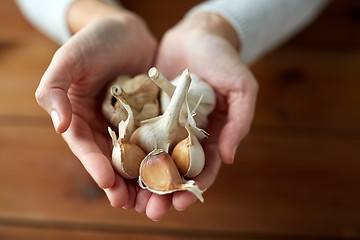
point(296, 176)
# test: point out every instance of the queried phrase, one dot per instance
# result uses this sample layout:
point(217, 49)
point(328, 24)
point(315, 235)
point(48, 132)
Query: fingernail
point(180, 209)
point(234, 154)
point(55, 118)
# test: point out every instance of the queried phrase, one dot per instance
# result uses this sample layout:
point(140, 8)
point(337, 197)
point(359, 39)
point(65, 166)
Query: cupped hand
point(207, 45)
point(71, 86)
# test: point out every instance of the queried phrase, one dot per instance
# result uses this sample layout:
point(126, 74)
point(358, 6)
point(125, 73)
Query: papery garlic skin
point(197, 89)
point(142, 97)
point(164, 131)
point(158, 174)
point(125, 128)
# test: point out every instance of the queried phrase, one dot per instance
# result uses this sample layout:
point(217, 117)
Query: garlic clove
point(158, 171)
point(146, 136)
point(164, 131)
point(142, 97)
point(126, 157)
point(189, 155)
point(181, 156)
point(158, 174)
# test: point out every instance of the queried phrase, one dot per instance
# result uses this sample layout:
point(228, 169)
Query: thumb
point(57, 104)
point(51, 93)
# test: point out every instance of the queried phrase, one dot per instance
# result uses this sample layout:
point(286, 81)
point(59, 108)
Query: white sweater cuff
point(262, 25)
point(50, 16)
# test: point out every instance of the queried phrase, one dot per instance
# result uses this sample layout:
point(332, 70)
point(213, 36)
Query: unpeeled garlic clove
point(189, 155)
point(126, 157)
point(158, 174)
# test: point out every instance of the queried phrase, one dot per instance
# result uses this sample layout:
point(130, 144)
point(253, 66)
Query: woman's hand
point(116, 43)
point(207, 45)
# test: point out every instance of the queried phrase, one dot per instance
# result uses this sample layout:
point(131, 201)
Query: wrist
point(83, 12)
point(213, 23)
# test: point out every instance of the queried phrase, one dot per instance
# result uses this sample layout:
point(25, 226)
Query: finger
point(184, 199)
point(118, 194)
point(239, 118)
point(131, 186)
point(142, 199)
point(51, 93)
point(158, 206)
point(81, 141)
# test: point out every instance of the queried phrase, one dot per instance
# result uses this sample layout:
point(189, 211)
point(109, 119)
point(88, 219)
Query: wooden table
point(296, 176)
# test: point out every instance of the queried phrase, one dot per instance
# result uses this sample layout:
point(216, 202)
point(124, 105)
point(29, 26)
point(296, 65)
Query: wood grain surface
point(296, 176)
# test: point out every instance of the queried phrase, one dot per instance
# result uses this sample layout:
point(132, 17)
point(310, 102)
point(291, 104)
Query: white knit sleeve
point(49, 16)
point(262, 25)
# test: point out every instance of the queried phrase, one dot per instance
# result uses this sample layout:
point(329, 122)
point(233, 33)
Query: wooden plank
point(15, 233)
point(160, 15)
point(282, 183)
point(338, 25)
point(24, 56)
point(310, 88)
point(10, 232)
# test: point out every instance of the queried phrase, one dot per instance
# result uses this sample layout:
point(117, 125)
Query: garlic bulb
point(159, 175)
point(126, 157)
point(164, 131)
point(197, 88)
point(188, 154)
point(142, 96)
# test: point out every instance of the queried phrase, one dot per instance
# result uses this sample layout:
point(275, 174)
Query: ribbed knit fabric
point(49, 16)
point(262, 25)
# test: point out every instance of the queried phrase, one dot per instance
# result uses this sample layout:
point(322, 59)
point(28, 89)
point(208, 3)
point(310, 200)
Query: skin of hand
point(111, 42)
point(207, 45)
